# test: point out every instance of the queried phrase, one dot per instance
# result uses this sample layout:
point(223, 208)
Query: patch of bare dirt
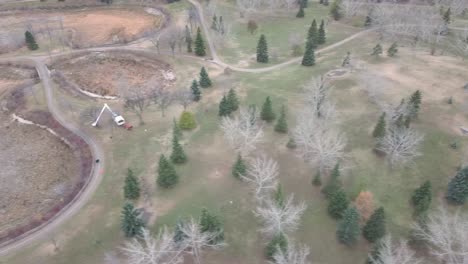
point(37, 171)
point(114, 74)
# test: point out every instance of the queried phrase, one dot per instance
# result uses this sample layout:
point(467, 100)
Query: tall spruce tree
point(267, 113)
point(374, 255)
point(422, 198)
point(368, 21)
point(375, 226)
point(317, 181)
point(200, 49)
point(347, 60)
point(377, 51)
point(205, 80)
point(278, 242)
point(224, 107)
point(304, 3)
point(312, 35)
point(300, 13)
point(415, 101)
point(178, 155)
point(239, 168)
point(131, 187)
point(333, 183)
point(282, 125)
point(262, 50)
point(321, 38)
point(335, 10)
point(211, 223)
point(30, 41)
point(457, 191)
point(179, 236)
point(188, 38)
point(447, 16)
point(380, 127)
point(214, 23)
point(131, 224)
point(348, 228)
point(393, 50)
point(196, 93)
point(309, 55)
point(232, 100)
point(338, 204)
point(167, 175)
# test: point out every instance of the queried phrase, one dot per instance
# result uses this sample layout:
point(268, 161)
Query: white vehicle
point(118, 119)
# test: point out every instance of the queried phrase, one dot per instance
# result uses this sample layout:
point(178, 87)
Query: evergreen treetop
point(392, 51)
point(317, 181)
point(211, 223)
point(279, 196)
point(377, 50)
point(179, 236)
point(282, 125)
point(224, 107)
point(131, 187)
point(333, 183)
point(338, 204)
point(196, 93)
point(262, 50)
point(178, 155)
point(267, 113)
point(239, 169)
point(375, 226)
point(176, 129)
point(380, 127)
point(348, 228)
point(232, 100)
point(309, 55)
point(205, 80)
point(321, 38)
point(278, 242)
point(200, 49)
point(300, 13)
point(422, 197)
point(457, 191)
point(30, 41)
point(312, 35)
point(167, 176)
point(447, 16)
point(187, 121)
point(131, 224)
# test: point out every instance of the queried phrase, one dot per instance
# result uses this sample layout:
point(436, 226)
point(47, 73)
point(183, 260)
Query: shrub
point(187, 121)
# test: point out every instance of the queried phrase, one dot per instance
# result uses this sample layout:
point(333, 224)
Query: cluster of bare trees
point(318, 139)
point(394, 253)
point(258, 5)
point(164, 249)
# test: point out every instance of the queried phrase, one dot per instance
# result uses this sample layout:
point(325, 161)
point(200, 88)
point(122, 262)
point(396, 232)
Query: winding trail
point(97, 172)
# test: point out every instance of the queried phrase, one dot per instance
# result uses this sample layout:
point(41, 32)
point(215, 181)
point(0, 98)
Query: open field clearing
point(78, 28)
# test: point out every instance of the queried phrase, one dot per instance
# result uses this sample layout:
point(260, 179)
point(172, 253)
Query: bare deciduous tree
point(136, 101)
point(292, 255)
point(280, 219)
point(195, 240)
point(183, 97)
point(390, 253)
point(401, 145)
point(243, 131)
point(446, 235)
point(316, 93)
point(162, 98)
point(262, 174)
point(150, 250)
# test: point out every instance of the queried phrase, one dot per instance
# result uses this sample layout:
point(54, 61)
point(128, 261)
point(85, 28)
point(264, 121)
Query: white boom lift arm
point(118, 119)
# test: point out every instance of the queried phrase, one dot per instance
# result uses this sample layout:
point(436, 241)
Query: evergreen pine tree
point(199, 44)
point(309, 55)
point(279, 196)
point(262, 50)
point(447, 16)
point(375, 226)
point(178, 155)
point(317, 181)
point(214, 23)
point(392, 51)
point(277, 242)
point(415, 101)
point(457, 191)
point(187, 121)
point(30, 41)
point(176, 129)
point(131, 223)
point(196, 93)
point(312, 35)
point(305, 3)
point(347, 60)
point(368, 21)
point(374, 255)
point(131, 187)
point(282, 125)
point(422, 198)
point(338, 204)
point(211, 223)
point(380, 127)
point(333, 183)
point(267, 113)
point(205, 80)
point(335, 10)
point(167, 176)
point(322, 38)
point(224, 107)
point(300, 13)
point(377, 50)
point(188, 38)
point(291, 144)
point(348, 228)
point(239, 168)
point(232, 100)
point(179, 236)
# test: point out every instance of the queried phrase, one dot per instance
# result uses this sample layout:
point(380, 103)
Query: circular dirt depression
point(38, 170)
point(114, 73)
